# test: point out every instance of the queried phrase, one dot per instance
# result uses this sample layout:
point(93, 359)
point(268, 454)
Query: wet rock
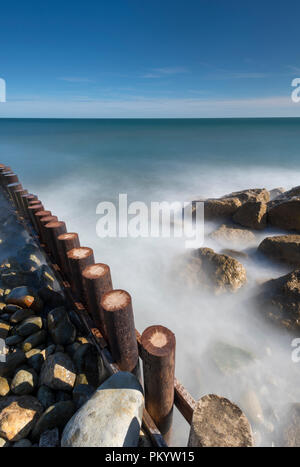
point(60, 327)
point(4, 329)
point(217, 422)
point(88, 362)
point(81, 394)
point(229, 358)
point(25, 298)
point(235, 254)
point(252, 194)
point(46, 396)
point(34, 340)
point(18, 415)
point(279, 300)
point(284, 248)
point(24, 382)
point(13, 361)
point(14, 279)
point(218, 273)
point(144, 441)
point(62, 396)
point(11, 309)
point(23, 443)
point(30, 326)
point(276, 192)
point(116, 408)
point(51, 298)
point(252, 215)
point(58, 372)
point(233, 236)
point(285, 214)
point(291, 428)
point(20, 314)
point(13, 340)
point(56, 416)
point(220, 208)
point(4, 386)
point(251, 405)
point(71, 349)
point(4, 443)
point(49, 439)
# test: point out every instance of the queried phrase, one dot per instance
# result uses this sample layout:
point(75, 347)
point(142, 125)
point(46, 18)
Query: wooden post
point(43, 232)
point(120, 328)
point(11, 189)
point(38, 216)
point(9, 177)
point(26, 200)
point(18, 194)
point(96, 282)
point(158, 355)
point(66, 242)
point(31, 211)
point(54, 229)
point(79, 258)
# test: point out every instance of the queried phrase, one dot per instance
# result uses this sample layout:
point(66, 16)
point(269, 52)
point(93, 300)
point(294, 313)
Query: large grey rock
point(60, 327)
point(18, 416)
point(217, 422)
point(285, 248)
point(58, 372)
point(56, 415)
point(116, 409)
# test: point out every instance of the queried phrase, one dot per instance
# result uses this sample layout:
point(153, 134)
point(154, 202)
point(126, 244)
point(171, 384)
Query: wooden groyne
point(106, 314)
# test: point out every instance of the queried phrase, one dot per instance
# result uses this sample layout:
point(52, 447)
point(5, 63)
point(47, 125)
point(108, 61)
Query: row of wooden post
point(110, 309)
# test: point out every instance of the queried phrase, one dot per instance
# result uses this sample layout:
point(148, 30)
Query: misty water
point(74, 165)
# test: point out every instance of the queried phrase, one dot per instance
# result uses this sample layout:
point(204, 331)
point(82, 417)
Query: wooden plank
point(184, 402)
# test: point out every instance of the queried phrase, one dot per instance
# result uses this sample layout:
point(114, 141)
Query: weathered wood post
point(38, 216)
point(32, 209)
point(96, 282)
point(44, 232)
point(54, 229)
point(120, 329)
point(26, 200)
point(158, 355)
point(79, 258)
point(66, 242)
point(18, 194)
point(8, 178)
point(11, 190)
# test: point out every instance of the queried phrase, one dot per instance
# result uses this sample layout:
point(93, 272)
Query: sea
point(75, 164)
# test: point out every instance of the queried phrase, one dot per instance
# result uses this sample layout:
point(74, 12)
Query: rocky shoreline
point(49, 367)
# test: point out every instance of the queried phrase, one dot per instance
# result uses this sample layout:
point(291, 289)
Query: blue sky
point(140, 58)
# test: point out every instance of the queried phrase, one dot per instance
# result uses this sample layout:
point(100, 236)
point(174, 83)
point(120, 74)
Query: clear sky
point(149, 58)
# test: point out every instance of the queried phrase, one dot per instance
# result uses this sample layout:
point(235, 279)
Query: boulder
point(56, 416)
point(46, 396)
point(58, 372)
point(89, 365)
point(60, 327)
point(116, 409)
point(13, 361)
point(18, 415)
point(4, 386)
point(218, 273)
point(285, 214)
point(284, 248)
point(25, 298)
point(252, 194)
point(29, 326)
point(217, 422)
point(23, 443)
point(232, 236)
point(24, 382)
point(279, 300)
point(49, 439)
point(252, 214)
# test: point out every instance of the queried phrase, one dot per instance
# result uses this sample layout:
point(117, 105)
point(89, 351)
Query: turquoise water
point(74, 164)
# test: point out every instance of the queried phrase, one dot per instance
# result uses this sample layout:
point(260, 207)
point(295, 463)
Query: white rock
point(112, 417)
